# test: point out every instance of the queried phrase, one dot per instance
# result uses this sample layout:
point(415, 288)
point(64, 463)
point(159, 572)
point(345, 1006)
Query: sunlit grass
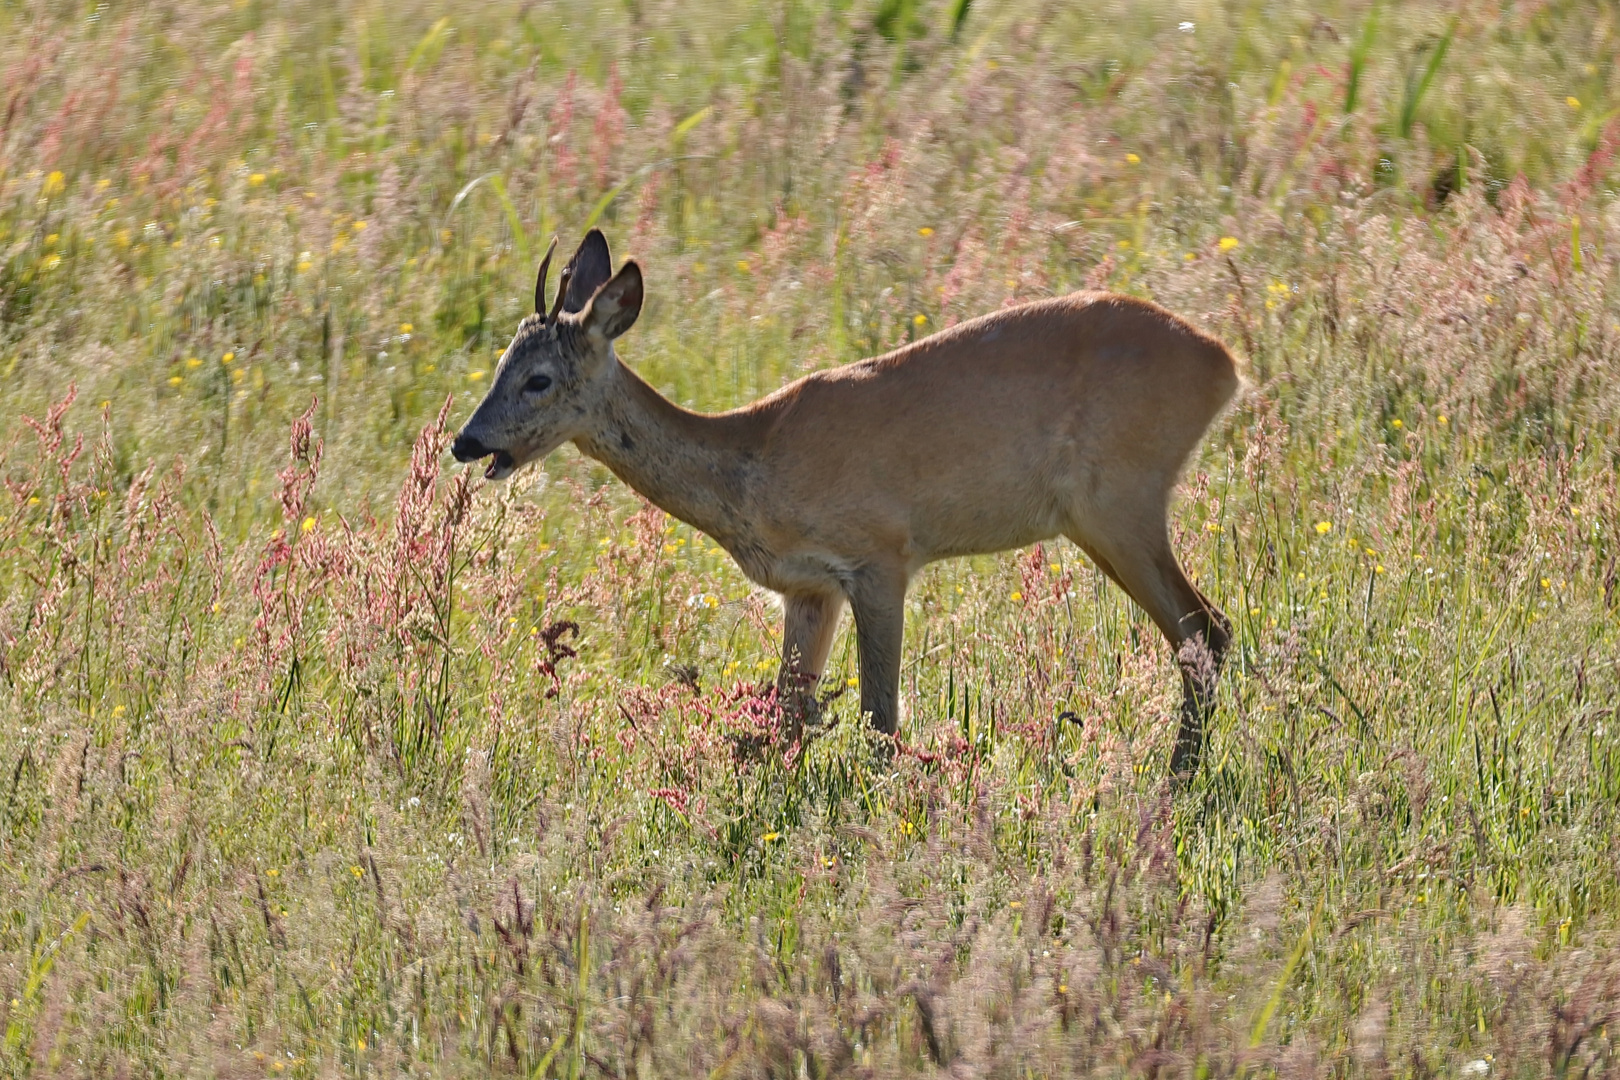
point(325, 758)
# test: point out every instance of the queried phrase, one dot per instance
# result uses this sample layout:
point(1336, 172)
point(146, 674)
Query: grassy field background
point(319, 757)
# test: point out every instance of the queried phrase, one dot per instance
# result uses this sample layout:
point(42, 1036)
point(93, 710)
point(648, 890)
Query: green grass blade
point(685, 126)
point(1415, 92)
point(607, 199)
point(466, 190)
point(519, 236)
point(1358, 57)
point(577, 1061)
point(432, 44)
point(544, 1063)
point(1274, 1002)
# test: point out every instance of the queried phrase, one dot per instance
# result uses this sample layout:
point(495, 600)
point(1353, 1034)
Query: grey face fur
point(552, 382)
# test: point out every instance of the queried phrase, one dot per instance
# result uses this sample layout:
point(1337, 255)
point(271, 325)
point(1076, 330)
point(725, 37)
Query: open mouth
point(468, 449)
point(501, 465)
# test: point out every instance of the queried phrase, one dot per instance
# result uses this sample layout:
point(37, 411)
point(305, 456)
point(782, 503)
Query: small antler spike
point(563, 281)
point(540, 280)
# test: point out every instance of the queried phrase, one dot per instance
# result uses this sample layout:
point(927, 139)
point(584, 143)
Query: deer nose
point(466, 448)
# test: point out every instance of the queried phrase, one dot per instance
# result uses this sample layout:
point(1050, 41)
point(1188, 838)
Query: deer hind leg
point(810, 621)
point(1143, 564)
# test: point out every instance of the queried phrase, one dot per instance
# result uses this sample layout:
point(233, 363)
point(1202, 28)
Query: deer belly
point(981, 514)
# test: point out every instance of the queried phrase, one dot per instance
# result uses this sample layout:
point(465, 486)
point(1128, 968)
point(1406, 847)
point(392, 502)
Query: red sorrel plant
point(390, 593)
point(282, 588)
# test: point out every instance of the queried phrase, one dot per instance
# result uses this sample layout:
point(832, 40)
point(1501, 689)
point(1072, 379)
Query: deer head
point(554, 380)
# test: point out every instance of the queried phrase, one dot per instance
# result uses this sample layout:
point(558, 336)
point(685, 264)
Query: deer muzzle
point(466, 448)
point(501, 465)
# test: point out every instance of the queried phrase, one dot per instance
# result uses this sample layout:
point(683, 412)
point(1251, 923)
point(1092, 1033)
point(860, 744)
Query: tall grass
point(322, 757)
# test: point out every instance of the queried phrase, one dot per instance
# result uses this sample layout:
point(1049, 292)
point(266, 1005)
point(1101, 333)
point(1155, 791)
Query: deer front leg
point(809, 623)
point(878, 598)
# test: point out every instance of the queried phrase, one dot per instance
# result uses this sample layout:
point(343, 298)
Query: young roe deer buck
point(1071, 416)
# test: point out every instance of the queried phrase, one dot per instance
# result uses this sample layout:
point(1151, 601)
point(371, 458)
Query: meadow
point(322, 757)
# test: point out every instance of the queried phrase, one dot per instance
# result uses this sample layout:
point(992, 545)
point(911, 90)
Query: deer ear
point(588, 270)
point(614, 308)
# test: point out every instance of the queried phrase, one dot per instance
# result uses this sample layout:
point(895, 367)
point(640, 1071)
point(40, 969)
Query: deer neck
point(693, 466)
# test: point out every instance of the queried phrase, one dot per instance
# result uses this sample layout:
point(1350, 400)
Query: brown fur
point(1072, 416)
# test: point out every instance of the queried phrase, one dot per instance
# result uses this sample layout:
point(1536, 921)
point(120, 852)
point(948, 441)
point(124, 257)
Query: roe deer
point(1071, 416)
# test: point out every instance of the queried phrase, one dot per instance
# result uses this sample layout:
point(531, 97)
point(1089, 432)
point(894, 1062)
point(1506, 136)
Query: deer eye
point(536, 384)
